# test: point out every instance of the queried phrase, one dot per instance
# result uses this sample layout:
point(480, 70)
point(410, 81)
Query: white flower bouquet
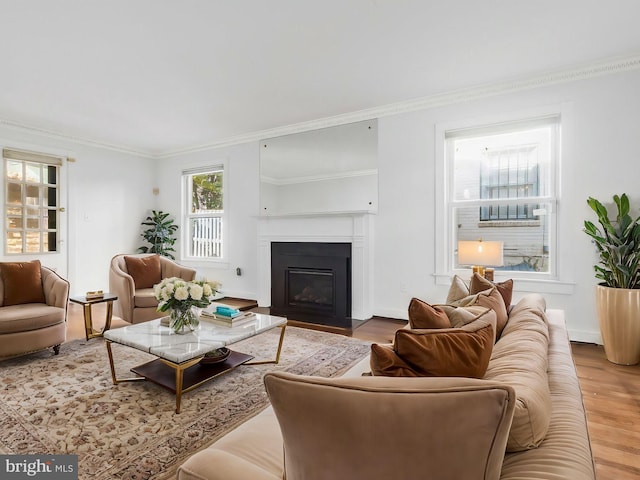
point(180, 297)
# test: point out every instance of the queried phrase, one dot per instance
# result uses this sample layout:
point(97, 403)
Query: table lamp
point(479, 254)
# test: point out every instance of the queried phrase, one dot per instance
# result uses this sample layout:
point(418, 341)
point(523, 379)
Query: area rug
point(67, 404)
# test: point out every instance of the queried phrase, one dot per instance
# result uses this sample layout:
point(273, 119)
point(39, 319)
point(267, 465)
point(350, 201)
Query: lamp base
point(483, 272)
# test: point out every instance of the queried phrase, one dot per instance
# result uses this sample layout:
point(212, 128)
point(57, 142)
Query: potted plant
point(618, 294)
point(160, 234)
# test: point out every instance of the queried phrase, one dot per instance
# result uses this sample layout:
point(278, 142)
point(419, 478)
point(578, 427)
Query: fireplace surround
point(355, 228)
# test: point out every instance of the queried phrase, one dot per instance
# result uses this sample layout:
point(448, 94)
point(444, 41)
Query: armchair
point(33, 308)
point(131, 278)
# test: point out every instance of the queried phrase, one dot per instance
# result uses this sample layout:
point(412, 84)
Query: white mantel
point(350, 227)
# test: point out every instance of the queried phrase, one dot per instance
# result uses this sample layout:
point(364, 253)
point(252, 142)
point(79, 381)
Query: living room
point(581, 63)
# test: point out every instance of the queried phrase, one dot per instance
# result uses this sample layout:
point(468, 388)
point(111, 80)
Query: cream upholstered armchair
point(33, 308)
point(132, 277)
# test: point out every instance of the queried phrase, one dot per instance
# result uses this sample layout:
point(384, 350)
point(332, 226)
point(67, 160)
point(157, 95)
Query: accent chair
point(132, 277)
point(33, 308)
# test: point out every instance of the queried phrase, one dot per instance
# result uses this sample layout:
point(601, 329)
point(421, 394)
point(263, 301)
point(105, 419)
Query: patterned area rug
point(68, 404)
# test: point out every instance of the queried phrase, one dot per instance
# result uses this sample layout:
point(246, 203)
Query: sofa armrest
point(56, 288)
point(121, 284)
point(395, 427)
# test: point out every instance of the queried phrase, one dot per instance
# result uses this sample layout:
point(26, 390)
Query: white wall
point(600, 147)
point(600, 152)
point(241, 178)
point(108, 194)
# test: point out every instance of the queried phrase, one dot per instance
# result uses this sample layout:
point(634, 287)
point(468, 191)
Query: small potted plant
point(618, 295)
point(160, 234)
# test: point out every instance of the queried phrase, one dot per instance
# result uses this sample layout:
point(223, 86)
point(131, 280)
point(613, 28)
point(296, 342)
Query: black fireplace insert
point(311, 282)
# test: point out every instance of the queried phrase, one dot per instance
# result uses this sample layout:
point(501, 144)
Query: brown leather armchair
point(131, 278)
point(33, 308)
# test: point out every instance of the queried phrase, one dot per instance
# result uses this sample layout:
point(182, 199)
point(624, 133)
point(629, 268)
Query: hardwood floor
point(611, 394)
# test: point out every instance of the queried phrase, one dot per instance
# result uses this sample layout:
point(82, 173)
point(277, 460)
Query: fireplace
point(311, 282)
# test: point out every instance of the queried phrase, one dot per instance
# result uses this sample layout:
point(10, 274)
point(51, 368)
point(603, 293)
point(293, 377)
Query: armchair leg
point(56, 349)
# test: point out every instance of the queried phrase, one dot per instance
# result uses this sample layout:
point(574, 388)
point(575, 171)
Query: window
point(204, 213)
point(31, 202)
point(502, 188)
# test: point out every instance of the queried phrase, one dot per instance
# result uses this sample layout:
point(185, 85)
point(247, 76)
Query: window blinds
point(10, 154)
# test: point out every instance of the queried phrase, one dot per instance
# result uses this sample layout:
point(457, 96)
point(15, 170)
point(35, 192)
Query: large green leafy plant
point(618, 244)
point(160, 234)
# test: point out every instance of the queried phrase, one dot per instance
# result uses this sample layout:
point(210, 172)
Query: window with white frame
point(32, 196)
point(204, 212)
point(502, 188)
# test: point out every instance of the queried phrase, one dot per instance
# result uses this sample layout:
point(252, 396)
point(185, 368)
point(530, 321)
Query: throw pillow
point(385, 362)
point(457, 290)
point(479, 284)
point(460, 316)
point(423, 315)
point(460, 352)
point(22, 283)
point(145, 271)
point(493, 300)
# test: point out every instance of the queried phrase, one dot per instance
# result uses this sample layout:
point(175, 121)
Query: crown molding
point(583, 72)
point(318, 178)
point(88, 142)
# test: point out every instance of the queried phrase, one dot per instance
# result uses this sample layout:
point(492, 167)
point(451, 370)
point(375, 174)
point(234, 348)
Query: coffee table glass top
point(154, 338)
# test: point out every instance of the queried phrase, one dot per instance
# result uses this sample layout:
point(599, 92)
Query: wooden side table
point(88, 320)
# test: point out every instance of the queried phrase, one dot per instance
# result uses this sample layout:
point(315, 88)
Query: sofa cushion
point(459, 352)
point(519, 359)
point(390, 428)
point(22, 283)
point(480, 284)
point(145, 271)
point(29, 316)
point(423, 315)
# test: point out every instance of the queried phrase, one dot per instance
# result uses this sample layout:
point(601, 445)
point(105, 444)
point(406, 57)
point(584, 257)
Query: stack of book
point(226, 316)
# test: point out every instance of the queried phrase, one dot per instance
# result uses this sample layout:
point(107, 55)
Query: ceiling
point(164, 76)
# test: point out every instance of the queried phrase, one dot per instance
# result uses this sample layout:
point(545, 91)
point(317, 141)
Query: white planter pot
point(619, 316)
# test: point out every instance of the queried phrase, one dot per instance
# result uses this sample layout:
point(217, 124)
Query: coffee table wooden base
point(179, 377)
point(181, 380)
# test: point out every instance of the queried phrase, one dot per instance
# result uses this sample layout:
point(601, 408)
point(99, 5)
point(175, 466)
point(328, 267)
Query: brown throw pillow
point(423, 315)
point(493, 300)
point(144, 270)
point(22, 283)
point(479, 284)
point(385, 362)
point(461, 352)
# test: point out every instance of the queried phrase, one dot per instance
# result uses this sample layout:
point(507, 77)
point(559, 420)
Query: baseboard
point(391, 313)
point(585, 336)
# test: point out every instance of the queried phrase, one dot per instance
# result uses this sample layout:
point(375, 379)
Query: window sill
point(520, 284)
point(209, 262)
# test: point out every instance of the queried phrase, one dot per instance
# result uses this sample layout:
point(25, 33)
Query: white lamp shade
point(477, 252)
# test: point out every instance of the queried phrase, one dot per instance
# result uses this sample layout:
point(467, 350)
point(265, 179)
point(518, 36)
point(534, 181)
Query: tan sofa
point(27, 327)
point(456, 430)
point(135, 305)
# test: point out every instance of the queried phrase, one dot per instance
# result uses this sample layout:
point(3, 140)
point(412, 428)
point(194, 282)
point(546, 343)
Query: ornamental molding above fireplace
point(354, 228)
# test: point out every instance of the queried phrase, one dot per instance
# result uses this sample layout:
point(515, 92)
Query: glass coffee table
point(178, 367)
